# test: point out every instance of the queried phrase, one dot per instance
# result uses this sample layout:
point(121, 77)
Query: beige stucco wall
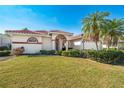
point(87, 45)
point(24, 38)
point(92, 45)
point(47, 43)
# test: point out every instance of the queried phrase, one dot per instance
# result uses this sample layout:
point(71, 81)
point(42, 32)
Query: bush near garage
point(18, 51)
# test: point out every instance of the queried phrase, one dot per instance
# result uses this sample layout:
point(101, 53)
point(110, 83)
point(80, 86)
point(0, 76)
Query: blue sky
point(67, 18)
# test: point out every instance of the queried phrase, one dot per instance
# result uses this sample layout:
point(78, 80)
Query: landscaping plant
point(47, 52)
point(18, 51)
point(103, 56)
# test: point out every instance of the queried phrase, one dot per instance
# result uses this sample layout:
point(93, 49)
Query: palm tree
point(93, 25)
point(113, 30)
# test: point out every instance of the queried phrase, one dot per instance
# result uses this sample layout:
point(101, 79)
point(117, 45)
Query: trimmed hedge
point(74, 53)
point(107, 56)
point(4, 53)
point(65, 53)
point(71, 53)
point(2, 48)
point(103, 56)
point(59, 52)
point(84, 54)
point(47, 52)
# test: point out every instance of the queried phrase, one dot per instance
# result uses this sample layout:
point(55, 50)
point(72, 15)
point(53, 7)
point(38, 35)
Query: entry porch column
point(67, 45)
point(53, 45)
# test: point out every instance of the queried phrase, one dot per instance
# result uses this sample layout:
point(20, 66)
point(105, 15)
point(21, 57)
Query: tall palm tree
point(93, 25)
point(113, 30)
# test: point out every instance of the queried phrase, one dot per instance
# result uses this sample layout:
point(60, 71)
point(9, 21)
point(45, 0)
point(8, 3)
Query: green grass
point(58, 71)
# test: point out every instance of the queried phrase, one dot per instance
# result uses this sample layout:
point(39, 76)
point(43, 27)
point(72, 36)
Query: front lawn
point(58, 71)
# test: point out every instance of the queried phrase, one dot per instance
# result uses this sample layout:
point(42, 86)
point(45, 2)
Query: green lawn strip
point(58, 71)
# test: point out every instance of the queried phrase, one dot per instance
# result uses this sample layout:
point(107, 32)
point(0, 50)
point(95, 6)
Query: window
point(32, 40)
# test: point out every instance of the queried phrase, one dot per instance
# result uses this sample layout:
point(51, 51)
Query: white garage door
point(29, 48)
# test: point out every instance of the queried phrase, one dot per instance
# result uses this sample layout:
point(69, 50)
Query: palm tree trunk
point(101, 46)
point(117, 45)
point(109, 42)
point(108, 46)
point(83, 44)
point(96, 45)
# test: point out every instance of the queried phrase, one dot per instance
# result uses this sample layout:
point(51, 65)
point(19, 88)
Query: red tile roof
point(60, 31)
point(21, 31)
point(28, 31)
point(36, 31)
point(42, 31)
point(77, 37)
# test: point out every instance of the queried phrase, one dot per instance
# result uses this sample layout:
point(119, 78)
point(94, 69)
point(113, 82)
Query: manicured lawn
point(58, 71)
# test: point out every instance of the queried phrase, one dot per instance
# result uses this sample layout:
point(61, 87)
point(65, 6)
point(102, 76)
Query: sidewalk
point(5, 58)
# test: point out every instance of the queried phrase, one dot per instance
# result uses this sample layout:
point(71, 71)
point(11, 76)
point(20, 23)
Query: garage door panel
point(29, 48)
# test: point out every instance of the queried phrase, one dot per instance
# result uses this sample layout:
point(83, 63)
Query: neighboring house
point(34, 41)
point(4, 40)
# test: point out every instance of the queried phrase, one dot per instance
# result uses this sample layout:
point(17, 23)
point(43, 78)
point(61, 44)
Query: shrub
point(2, 48)
point(71, 53)
point(44, 52)
point(4, 53)
point(74, 53)
point(18, 51)
point(59, 52)
point(51, 52)
point(47, 52)
point(103, 56)
point(84, 54)
point(107, 56)
point(92, 54)
point(65, 53)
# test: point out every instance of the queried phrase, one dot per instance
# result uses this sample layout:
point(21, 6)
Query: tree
point(25, 28)
point(93, 25)
point(113, 31)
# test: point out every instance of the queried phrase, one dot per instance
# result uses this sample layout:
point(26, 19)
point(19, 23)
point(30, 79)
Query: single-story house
point(34, 41)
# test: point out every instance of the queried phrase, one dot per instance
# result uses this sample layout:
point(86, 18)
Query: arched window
point(32, 40)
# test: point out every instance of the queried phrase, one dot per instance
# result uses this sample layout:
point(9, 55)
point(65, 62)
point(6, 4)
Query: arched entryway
point(60, 42)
